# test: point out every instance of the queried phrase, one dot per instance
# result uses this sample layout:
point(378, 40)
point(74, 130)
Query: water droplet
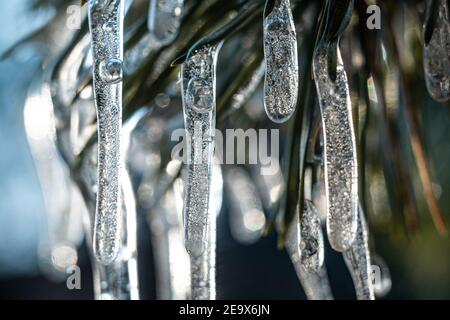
point(162, 100)
point(111, 70)
point(199, 95)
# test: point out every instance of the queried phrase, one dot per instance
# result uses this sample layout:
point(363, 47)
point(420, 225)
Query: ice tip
point(279, 118)
point(195, 246)
point(106, 258)
point(339, 242)
point(105, 255)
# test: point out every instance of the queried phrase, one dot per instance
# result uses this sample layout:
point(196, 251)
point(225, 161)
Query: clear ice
point(164, 19)
point(63, 204)
point(357, 259)
point(171, 260)
point(246, 209)
point(381, 280)
point(280, 53)
point(199, 100)
point(340, 162)
point(119, 279)
point(437, 55)
point(106, 28)
point(306, 250)
point(311, 240)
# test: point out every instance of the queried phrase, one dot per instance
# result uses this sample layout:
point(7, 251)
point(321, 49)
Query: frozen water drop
point(437, 54)
point(341, 174)
point(111, 70)
point(280, 53)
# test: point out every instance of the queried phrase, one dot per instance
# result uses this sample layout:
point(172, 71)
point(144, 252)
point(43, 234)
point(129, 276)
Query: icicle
point(164, 19)
point(171, 260)
point(63, 206)
point(311, 244)
point(280, 51)
point(203, 268)
point(245, 93)
point(106, 27)
point(119, 279)
point(319, 200)
point(315, 284)
point(340, 161)
point(382, 281)
point(161, 203)
point(71, 71)
point(199, 99)
point(271, 186)
point(181, 280)
point(306, 250)
point(357, 259)
point(246, 211)
point(437, 51)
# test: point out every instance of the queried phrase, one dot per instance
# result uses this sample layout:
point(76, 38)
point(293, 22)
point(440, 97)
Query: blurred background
point(419, 265)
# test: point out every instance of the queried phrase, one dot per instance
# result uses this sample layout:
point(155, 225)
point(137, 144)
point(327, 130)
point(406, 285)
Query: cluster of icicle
point(345, 220)
point(333, 200)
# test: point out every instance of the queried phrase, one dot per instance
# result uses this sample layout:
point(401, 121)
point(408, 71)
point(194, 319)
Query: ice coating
point(280, 54)
point(198, 88)
point(357, 259)
point(106, 29)
point(340, 162)
point(437, 55)
point(310, 270)
point(199, 101)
